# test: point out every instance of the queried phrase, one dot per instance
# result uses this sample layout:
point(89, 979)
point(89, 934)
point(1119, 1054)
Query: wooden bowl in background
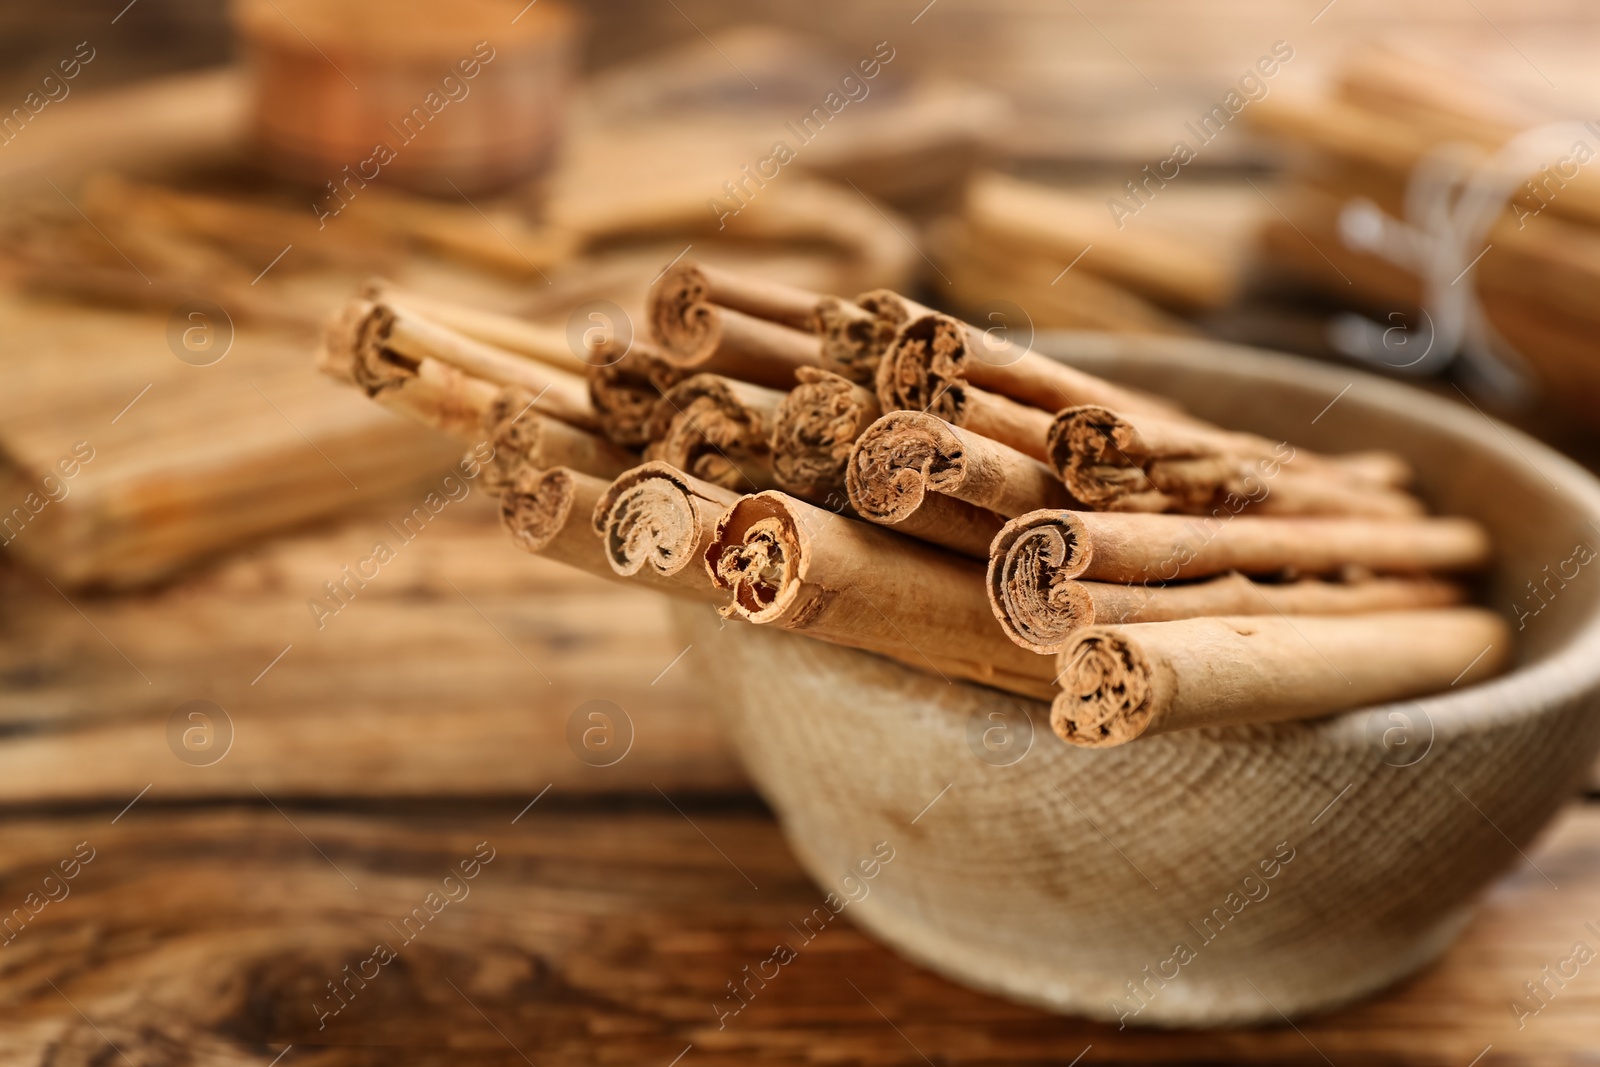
point(467, 96)
point(1067, 878)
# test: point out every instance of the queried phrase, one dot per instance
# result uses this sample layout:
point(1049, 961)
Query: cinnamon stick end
point(1105, 697)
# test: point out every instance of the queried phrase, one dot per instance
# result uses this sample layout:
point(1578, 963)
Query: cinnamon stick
point(546, 344)
point(424, 390)
point(397, 335)
point(1119, 683)
point(1035, 551)
point(523, 437)
point(548, 512)
point(702, 336)
point(934, 356)
point(744, 292)
point(943, 484)
point(1117, 462)
point(801, 568)
point(855, 335)
point(626, 385)
point(815, 427)
point(718, 429)
point(655, 522)
point(1044, 619)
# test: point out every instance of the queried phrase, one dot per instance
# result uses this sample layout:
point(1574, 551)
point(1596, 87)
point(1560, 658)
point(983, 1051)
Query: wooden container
point(463, 97)
point(1068, 878)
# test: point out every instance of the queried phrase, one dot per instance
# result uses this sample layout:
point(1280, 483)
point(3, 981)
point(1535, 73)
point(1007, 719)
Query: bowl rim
point(1570, 672)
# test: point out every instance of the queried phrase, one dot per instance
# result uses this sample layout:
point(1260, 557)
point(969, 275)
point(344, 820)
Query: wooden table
point(604, 932)
point(375, 755)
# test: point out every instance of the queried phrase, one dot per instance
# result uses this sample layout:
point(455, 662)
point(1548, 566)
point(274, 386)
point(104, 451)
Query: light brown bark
point(940, 483)
point(798, 567)
point(1116, 462)
point(656, 522)
point(933, 354)
point(743, 291)
point(1119, 683)
point(718, 429)
point(425, 390)
point(521, 436)
point(545, 344)
point(399, 337)
point(548, 512)
point(815, 427)
point(1035, 551)
point(625, 385)
point(1044, 619)
point(696, 334)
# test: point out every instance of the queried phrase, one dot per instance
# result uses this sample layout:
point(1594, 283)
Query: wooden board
point(607, 937)
point(454, 672)
point(184, 460)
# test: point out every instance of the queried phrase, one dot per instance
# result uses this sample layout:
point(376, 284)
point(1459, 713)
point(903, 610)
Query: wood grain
point(596, 938)
point(453, 672)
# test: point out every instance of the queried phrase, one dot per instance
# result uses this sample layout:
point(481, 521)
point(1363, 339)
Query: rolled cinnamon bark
point(548, 512)
point(424, 390)
point(625, 386)
point(815, 427)
point(1123, 682)
point(950, 460)
point(718, 429)
point(1034, 552)
point(1116, 462)
point(523, 437)
point(855, 335)
point(1044, 619)
point(801, 568)
point(546, 344)
point(743, 291)
point(935, 359)
point(943, 484)
point(699, 335)
point(656, 522)
point(395, 334)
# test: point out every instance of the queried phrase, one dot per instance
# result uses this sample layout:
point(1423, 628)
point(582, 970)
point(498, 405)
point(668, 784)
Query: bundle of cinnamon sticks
point(876, 474)
point(1406, 196)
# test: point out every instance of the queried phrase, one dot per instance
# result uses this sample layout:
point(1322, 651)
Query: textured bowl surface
point(1212, 877)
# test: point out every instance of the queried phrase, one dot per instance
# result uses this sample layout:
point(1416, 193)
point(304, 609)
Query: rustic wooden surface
point(607, 936)
point(453, 672)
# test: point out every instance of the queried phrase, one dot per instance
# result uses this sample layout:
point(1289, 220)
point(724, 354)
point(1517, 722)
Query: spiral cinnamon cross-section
point(717, 429)
point(1119, 683)
point(815, 427)
point(1118, 462)
point(990, 385)
point(425, 390)
point(694, 316)
point(654, 521)
point(1105, 691)
point(1032, 562)
point(626, 385)
point(547, 512)
point(801, 568)
point(856, 335)
point(521, 437)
